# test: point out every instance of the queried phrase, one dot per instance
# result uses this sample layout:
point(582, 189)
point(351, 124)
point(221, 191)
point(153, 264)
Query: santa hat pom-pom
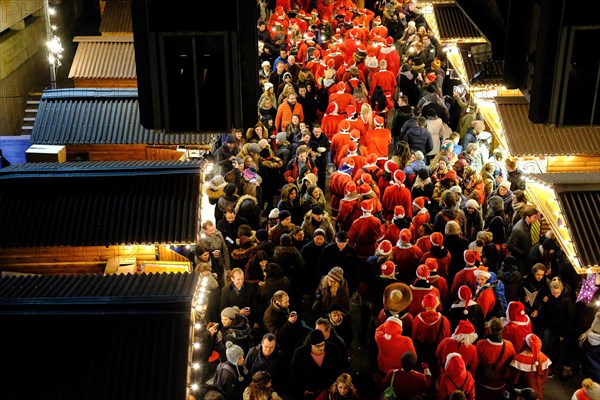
point(522, 312)
point(387, 336)
point(465, 312)
point(537, 363)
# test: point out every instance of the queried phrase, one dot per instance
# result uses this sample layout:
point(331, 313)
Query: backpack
point(389, 392)
point(500, 304)
point(309, 53)
point(218, 379)
point(446, 218)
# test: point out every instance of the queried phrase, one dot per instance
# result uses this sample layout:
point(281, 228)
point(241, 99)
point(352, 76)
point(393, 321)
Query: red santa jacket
point(450, 382)
point(451, 345)
point(430, 327)
point(359, 159)
point(420, 218)
point(343, 100)
point(424, 244)
point(337, 184)
point(337, 142)
point(378, 141)
point(349, 211)
point(486, 299)
point(393, 196)
point(524, 373)
point(390, 54)
point(489, 353)
point(330, 124)
point(463, 277)
point(386, 80)
point(442, 286)
point(411, 384)
point(364, 235)
point(378, 31)
point(406, 259)
point(515, 332)
point(419, 290)
point(392, 345)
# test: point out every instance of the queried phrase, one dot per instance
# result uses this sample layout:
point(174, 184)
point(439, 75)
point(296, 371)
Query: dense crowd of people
point(425, 227)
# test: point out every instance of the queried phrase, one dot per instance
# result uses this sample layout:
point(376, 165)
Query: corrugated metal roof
point(579, 197)
point(97, 337)
point(104, 57)
point(99, 116)
point(94, 204)
point(454, 24)
point(116, 17)
point(527, 139)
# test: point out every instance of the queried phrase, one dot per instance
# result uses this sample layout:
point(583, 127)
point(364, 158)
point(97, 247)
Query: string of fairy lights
point(199, 308)
point(53, 43)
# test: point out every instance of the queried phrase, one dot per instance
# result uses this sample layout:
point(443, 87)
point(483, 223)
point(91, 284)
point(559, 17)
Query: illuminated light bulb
point(54, 27)
point(194, 386)
point(197, 326)
point(203, 235)
point(205, 280)
point(168, 247)
point(51, 60)
point(597, 303)
point(187, 246)
point(588, 270)
point(195, 366)
point(196, 345)
point(51, 11)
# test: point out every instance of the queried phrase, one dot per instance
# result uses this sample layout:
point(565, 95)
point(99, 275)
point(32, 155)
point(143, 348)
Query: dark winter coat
point(248, 297)
point(306, 375)
point(419, 138)
point(345, 259)
point(247, 208)
point(292, 264)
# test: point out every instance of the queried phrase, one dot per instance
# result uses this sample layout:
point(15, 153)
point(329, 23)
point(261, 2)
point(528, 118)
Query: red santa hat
point(279, 11)
point(367, 178)
point(331, 63)
point(465, 294)
point(316, 55)
point(309, 36)
point(366, 206)
point(347, 19)
point(515, 312)
point(454, 363)
point(350, 63)
point(399, 176)
point(377, 20)
point(390, 167)
point(364, 189)
point(399, 212)
point(465, 332)
point(351, 109)
point(378, 120)
point(350, 187)
point(471, 257)
point(437, 239)
point(430, 300)
point(389, 41)
point(388, 269)
point(361, 51)
point(535, 344)
point(371, 160)
point(354, 135)
point(385, 247)
point(432, 264)
point(352, 147)
point(405, 235)
point(332, 108)
point(392, 327)
point(341, 87)
point(422, 272)
point(430, 77)
point(419, 202)
point(353, 34)
point(344, 125)
point(314, 11)
point(482, 271)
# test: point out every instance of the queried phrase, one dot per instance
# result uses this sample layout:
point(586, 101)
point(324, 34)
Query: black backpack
point(223, 366)
point(309, 53)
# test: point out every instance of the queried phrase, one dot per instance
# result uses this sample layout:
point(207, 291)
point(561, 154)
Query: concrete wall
point(12, 12)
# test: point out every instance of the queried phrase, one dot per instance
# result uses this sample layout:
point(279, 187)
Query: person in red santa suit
point(455, 377)
point(466, 275)
point(367, 193)
point(325, 8)
point(399, 222)
point(386, 178)
point(331, 120)
point(303, 57)
point(410, 383)
point(517, 324)
point(493, 371)
point(389, 54)
point(349, 207)
point(392, 345)
point(430, 327)
point(437, 251)
point(378, 30)
point(420, 215)
point(365, 232)
point(314, 62)
point(461, 341)
point(352, 151)
point(278, 16)
point(386, 80)
point(424, 235)
point(379, 138)
point(352, 41)
point(421, 288)
point(337, 185)
point(359, 56)
point(466, 309)
point(438, 281)
point(337, 55)
point(396, 194)
point(343, 69)
point(343, 152)
point(370, 168)
point(406, 256)
point(350, 113)
point(484, 294)
point(342, 98)
point(368, 179)
point(325, 65)
point(341, 138)
point(529, 368)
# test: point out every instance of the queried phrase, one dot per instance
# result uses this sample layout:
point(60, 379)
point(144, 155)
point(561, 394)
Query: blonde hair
point(367, 112)
point(556, 283)
point(333, 289)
